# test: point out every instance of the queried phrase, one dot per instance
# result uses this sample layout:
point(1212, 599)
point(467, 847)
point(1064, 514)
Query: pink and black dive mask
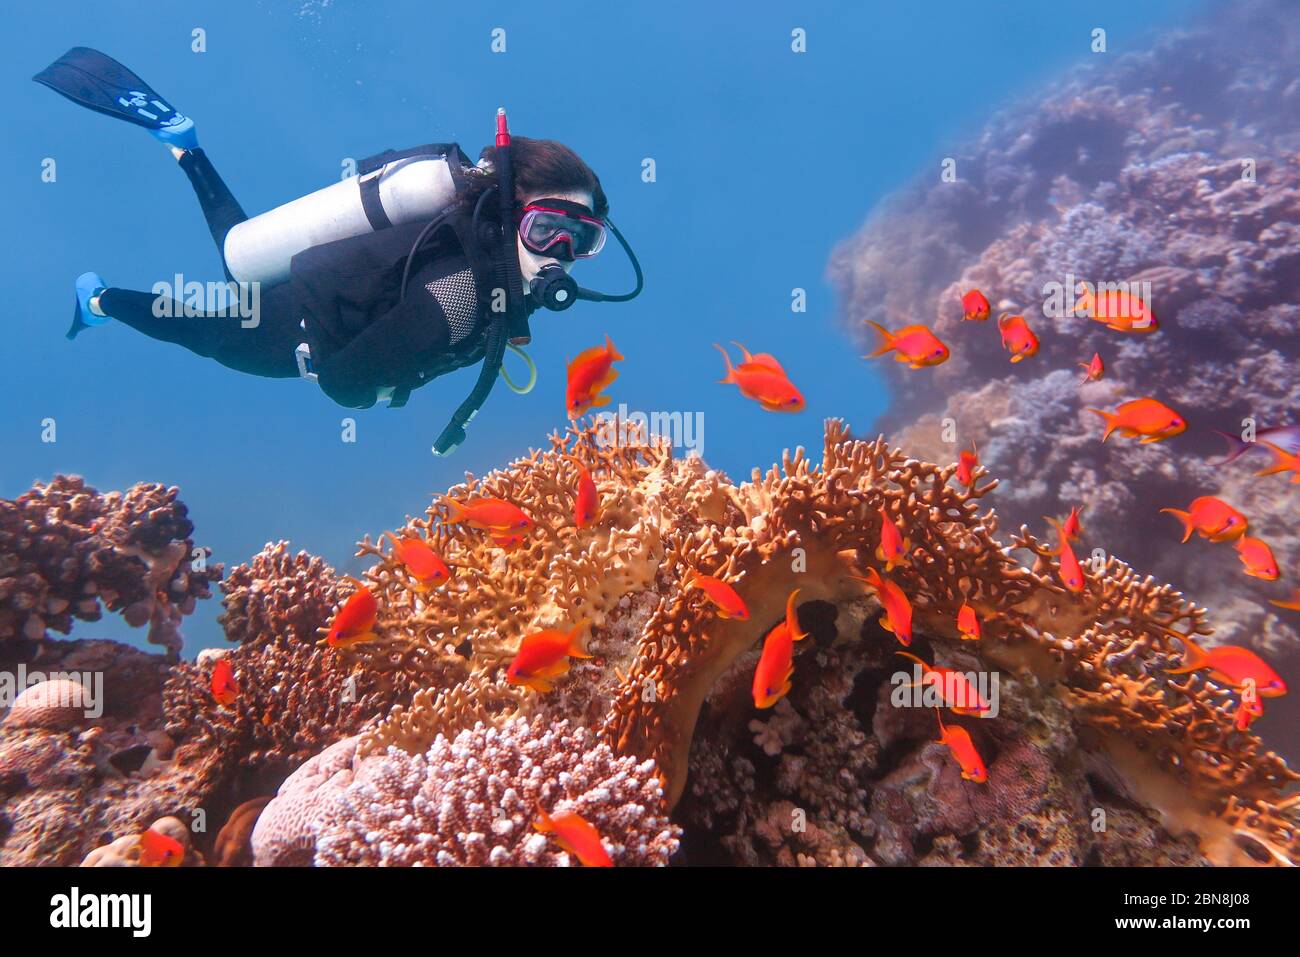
point(560, 229)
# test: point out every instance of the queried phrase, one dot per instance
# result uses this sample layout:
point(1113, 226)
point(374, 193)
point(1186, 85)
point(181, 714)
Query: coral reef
point(413, 748)
point(1138, 168)
point(66, 552)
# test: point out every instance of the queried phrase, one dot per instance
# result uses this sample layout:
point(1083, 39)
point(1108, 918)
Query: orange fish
point(507, 541)
point(544, 656)
point(1247, 711)
point(974, 306)
point(224, 689)
point(963, 751)
point(1291, 604)
point(1283, 461)
point(573, 833)
point(898, 610)
point(776, 666)
point(1118, 310)
point(590, 373)
point(355, 621)
point(955, 690)
point(1094, 370)
point(1068, 569)
point(915, 345)
point(762, 379)
point(1072, 528)
point(968, 623)
point(1146, 417)
point(495, 514)
point(1231, 665)
point(421, 562)
point(967, 462)
point(1258, 558)
point(1017, 337)
point(159, 850)
point(893, 547)
point(1212, 518)
point(586, 501)
point(723, 596)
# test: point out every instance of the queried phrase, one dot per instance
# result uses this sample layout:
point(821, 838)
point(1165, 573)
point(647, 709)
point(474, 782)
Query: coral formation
point(66, 552)
point(1133, 170)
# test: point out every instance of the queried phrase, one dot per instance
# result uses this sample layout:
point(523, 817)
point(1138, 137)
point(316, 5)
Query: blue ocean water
point(764, 158)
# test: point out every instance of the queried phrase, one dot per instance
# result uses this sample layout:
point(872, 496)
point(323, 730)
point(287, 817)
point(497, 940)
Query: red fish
point(421, 562)
point(893, 547)
point(1283, 461)
point(915, 345)
point(224, 689)
point(1017, 337)
point(355, 621)
point(1211, 518)
point(762, 379)
point(1230, 665)
point(1247, 711)
point(507, 541)
point(573, 833)
point(967, 463)
point(1094, 370)
point(968, 623)
point(1146, 417)
point(494, 514)
point(898, 610)
point(159, 850)
point(1072, 528)
point(544, 656)
point(590, 373)
point(1258, 558)
point(1291, 604)
point(1068, 569)
point(954, 688)
point(723, 596)
point(586, 500)
point(776, 666)
point(963, 751)
point(1118, 310)
point(975, 307)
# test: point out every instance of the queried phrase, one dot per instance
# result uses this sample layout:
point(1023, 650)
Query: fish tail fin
point(886, 340)
point(1184, 517)
point(1281, 459)
point(1109, 418)
point(1196, 657)
point(1236, 447)
point(455, 509)
point(792, 617)
point(745, 354)
point(731, 372)
point(912, 657)
point(577, 645)
point(1086, 302)
point(614, 354)
point(543, 822)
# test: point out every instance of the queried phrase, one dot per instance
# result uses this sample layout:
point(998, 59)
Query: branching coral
point(65, 549)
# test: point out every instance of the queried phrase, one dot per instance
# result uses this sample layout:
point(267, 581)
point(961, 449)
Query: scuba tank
point(390, 189)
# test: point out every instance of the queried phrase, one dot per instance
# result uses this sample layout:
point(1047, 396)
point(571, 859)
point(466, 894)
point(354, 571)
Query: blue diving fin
point(89, 284)
point(98, 82)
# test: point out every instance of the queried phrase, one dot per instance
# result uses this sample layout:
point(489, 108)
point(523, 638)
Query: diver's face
point(530, 263)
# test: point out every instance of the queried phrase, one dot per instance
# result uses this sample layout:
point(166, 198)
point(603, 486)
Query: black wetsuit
point(343, 298)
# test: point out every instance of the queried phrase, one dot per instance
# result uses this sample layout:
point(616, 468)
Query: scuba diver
point(420, 264)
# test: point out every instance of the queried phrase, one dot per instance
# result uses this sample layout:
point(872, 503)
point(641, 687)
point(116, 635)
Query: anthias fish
point(589, 374)
point(224, 689)
point(1093, 370)
point(967, 463)
point(420, 561)
point(893, 547)
point(723, 596)
point(1146, 417)
point(1230, 665)
point(1286, 437)
point(975, 307)
point(576, 835)
point(1118, 310)
point(544, 656)
point(1257, 558)
point(1017, 338)
point(776, 665)
point(968, 623)
point(1211, 518)
point(586, 500)
point(1283, 461)
point(1072, 527)
point(762, 379)
point(494, 514)
point(898, 610)
point(915, 345)
point(955, 690)
point(963, 751)
point(355, 621)
point(160, 850)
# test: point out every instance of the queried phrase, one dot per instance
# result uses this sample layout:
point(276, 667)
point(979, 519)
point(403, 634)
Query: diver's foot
point(177, 132)
point(88, 312)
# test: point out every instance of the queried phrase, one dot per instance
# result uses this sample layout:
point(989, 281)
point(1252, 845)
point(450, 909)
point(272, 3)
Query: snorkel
point(554, 289)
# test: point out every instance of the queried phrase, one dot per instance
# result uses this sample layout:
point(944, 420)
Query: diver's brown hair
point(545, 166)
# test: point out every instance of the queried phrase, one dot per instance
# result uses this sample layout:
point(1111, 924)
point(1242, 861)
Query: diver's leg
point(220, 208)
point(264, 349)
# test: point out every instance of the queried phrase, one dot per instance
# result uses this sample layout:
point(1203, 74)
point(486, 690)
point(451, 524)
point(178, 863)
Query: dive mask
point(561, 229)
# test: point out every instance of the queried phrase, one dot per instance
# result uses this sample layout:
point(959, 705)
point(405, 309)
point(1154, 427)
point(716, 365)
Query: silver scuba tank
point(408, 189)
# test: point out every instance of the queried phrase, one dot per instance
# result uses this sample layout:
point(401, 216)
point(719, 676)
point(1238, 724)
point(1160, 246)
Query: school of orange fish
point(543, 658)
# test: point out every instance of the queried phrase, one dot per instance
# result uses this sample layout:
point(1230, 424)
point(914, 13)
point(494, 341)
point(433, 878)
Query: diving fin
point(98, 82)
point(89, 284)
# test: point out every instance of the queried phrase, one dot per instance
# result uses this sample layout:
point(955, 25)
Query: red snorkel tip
point(503, 131)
